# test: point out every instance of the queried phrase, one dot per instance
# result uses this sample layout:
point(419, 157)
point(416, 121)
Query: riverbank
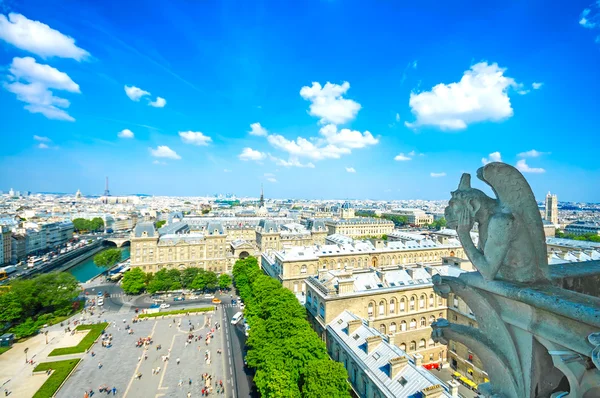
point(86, 271)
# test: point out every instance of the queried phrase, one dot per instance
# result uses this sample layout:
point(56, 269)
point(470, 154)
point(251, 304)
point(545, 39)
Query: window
point(402, 305)
point(413, 346)
point(370, 309)
point(413, 323)
point(423, 322)
point(422, 301)
point(455, 302)
point(392, 306)
point(431, 300)
point(382, 328)
point(453, 347)
point(455, 317)
point(422, 343)
point(440, 300)
point(382, 308)
point(322, 311)
point(393, 327)
point(403, 326)
point(431, 319)
point(470, 356)
point(430, 357)
point(412, 304)
point(402, 381)
point(403, 347)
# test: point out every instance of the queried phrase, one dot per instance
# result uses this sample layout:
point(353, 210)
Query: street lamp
point(25, 351)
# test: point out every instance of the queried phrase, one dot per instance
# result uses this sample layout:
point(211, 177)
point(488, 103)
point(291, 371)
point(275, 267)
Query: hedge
point(94, 332)
point(61, 370)
point(175, 312)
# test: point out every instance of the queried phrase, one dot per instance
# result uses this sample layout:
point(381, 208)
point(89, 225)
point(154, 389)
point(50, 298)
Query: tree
point(325, 378)
point(188, 275)
point(204, 280)
point(159, 224)
point(438, 224)
point(224, 281)
point(134, 281)
point(160, 282)
point(82, 224)
point(205, 211)
point(108, 258)
point(97, 224)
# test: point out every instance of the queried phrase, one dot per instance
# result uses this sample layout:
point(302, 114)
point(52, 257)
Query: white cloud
point(38, 38)
point(350, 170)
point(159, 103)
point(159, 162)
point(413, 153)
point(532, 154)
point(401, 157)
point(492, 157)
point(135, 93)
point(292, 162)
point(329, 104)
point(41, 145)
point(195, 138)
point(126, 133)
point(271, 179)
point(397, 117)
point(588, 19)
point(301, 147)
point(163, 151)
point(347, 138)
point(268, 175)
point(414, 64)
point(258, 130)
point(437, 175)
point(41, 139)
point(536, 85)
point(523, 167)
point(226, 171)
point(31, 82)
point(251, 154)
point(481, 95)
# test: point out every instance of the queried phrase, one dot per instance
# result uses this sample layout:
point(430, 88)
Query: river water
point(86, 270)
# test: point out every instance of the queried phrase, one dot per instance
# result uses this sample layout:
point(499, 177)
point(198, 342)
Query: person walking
point(190, 381)
point(178, 360)
point(114, 390)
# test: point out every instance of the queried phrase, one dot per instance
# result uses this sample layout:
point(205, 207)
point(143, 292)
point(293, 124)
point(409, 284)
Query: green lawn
point(86, 342)
point(4, 349)
point(61, 370)
point(176, 312)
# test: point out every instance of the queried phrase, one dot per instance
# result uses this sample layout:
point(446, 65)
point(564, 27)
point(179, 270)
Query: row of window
point(422, 344)
point(412, 305)
point(404, 326)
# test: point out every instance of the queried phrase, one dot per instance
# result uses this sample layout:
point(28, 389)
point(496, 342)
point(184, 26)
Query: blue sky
point(389, 101)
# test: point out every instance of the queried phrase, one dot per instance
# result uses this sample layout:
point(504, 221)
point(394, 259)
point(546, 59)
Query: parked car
point(180, 298)
point(193, 297)
point(216, 301)
point(233, 302)
point(165, 305)
point(100, 294)
point(209, 296)
point(242, 305)
point(100, 301)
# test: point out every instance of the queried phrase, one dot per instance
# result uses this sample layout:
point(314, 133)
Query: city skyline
point(200, 98)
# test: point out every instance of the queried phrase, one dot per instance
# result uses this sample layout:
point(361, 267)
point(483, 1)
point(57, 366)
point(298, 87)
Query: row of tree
point(290, 359)
point(84, 225)
point(396, 219)
point(28, 304)
point(107, 258)
point(591, 237)
point(136, 281)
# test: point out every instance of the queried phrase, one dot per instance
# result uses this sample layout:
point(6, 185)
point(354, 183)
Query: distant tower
point(551, 212)
point(106, 191)
point(261, 203)
point(78, 195)
point(347, 211)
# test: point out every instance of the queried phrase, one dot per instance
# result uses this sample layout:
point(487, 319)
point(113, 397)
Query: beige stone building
point(399, 301)
point(415, 216)
point(292, 265)
point(209, 251)
point(359, 226)
point(272, 236)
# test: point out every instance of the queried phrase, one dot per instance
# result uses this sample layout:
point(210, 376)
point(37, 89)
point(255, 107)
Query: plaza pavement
point(123, 360)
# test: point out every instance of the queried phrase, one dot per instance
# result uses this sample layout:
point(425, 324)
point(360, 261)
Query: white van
point(236, 318)
point(100, 301)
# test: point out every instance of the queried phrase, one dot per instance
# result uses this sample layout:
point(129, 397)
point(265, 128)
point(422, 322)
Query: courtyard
point(145, 371)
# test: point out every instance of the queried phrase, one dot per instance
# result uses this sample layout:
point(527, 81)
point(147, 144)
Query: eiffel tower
point(106, 191)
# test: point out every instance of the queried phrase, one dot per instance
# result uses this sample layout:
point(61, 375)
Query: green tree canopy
point(438, 224)
point(188, 275)
point(160, 223)
point(224, 281)
point(108, 258)
point(205, 280)
point(84, 225)
point(134, 281)
point(325, 378)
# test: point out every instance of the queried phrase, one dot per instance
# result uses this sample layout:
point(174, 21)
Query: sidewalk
point(446, 374)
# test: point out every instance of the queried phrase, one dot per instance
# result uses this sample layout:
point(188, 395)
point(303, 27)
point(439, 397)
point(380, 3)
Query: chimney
point(392, 339)
point(396, 365)
point(353, 326)
point(418, 359)
point(433, 391)
point(453, 384)
point(345, 286)
point(372, 343)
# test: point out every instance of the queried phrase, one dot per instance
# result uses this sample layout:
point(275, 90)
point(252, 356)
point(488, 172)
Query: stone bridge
point(118, 241)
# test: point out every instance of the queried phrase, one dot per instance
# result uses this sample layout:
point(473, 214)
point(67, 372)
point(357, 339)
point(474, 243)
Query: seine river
point(87, 269)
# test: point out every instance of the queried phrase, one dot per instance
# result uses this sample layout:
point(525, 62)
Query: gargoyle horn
point(465, 182)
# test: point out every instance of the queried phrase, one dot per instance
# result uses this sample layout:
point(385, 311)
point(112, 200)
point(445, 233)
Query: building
point(5, 244)
point(57, 233)
point(272, 236)
point(414, 216)
point(376, 367)
point(359, 226)
point(551, 210)
point(35, 241)
point(583, 228)
point(398, 301)
point(292, 265)
point(18, 248)
point(151, 251)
